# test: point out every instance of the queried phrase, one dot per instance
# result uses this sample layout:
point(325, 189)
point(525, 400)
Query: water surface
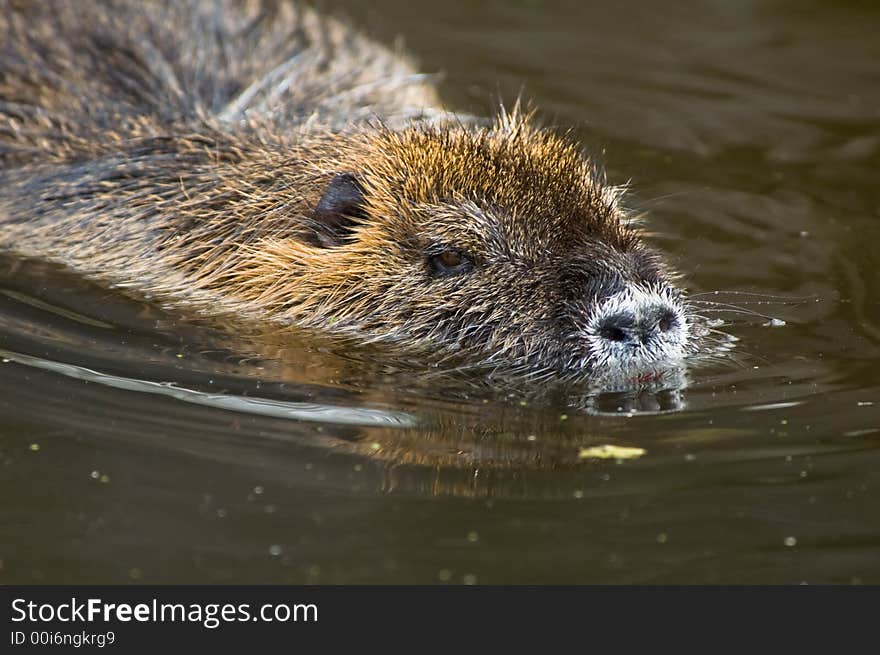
point(137, 445)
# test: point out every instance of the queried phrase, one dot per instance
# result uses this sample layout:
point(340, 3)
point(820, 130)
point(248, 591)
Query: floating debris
point(607, 451)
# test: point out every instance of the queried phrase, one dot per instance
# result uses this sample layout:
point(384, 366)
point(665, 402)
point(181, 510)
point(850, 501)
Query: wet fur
point(180, 149)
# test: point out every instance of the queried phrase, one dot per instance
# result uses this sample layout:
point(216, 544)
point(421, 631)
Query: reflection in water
point(658, 399)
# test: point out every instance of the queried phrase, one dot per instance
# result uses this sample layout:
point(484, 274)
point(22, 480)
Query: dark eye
point(450, 262)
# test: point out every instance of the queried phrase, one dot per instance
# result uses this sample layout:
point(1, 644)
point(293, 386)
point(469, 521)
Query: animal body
point(257, 158)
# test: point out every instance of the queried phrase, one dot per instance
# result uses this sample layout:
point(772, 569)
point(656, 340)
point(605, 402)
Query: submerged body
point(258, 159)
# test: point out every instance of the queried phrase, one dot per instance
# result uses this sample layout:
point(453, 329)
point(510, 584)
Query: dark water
point(138, 446)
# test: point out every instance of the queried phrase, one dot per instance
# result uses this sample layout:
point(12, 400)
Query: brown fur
point(179, 149)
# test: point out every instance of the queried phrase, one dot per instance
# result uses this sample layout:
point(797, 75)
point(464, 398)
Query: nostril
point(667, 321)
point(617, 327)
point(612, 333)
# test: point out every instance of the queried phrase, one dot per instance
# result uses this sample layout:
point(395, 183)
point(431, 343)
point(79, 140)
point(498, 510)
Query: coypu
point(257, 158)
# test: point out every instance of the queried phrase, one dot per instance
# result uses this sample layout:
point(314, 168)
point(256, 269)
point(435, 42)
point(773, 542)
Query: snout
point(637, 327)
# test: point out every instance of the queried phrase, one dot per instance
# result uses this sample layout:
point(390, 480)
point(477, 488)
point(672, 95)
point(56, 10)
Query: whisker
point(729, 307)
point(745, 303)
point(755, 294)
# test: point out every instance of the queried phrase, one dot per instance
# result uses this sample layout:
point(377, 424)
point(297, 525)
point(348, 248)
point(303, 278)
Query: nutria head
point(500, 246)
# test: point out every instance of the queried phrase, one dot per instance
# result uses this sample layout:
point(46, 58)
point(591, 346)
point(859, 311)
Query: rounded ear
point(338, 212)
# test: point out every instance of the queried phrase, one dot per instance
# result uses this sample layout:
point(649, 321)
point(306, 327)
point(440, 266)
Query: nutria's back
point(257, 158)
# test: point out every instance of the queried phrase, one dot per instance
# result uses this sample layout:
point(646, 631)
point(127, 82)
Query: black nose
point(629, 328)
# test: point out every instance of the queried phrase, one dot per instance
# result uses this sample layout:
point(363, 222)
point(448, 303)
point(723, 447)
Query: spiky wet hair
point(238, 156)
point(490, 243)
